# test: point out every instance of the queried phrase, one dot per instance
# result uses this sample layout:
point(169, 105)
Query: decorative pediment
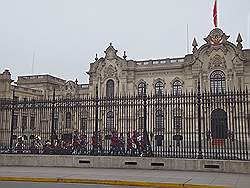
point(84, 113)
point(177, 79)
point(217, 62)
point(110, 52)
point(69, 88)
point(141, 81)
point(216, 37)
point(159, 80)
point(216, 40)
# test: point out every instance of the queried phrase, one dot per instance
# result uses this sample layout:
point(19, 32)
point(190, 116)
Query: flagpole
point(33, 62)
point(248, 32)
point(187, 39)
point(217, 7)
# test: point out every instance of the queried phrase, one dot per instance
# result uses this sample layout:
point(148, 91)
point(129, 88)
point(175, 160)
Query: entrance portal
point(219, 124)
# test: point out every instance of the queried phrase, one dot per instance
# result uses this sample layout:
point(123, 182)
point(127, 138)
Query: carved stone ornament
point(69, 88)
point(216, 40)
point(110, 72)
point(216, 37)
point(217, 62)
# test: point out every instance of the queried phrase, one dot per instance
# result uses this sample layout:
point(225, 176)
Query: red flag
point(215, 13)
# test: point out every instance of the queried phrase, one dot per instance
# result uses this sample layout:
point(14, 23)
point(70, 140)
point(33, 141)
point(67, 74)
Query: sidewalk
point(151, 178)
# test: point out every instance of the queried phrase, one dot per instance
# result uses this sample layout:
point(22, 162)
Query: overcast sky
point(65, 35)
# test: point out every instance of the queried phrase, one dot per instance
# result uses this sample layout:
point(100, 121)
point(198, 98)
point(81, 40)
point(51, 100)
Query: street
point(54, 185)
point(20, 176)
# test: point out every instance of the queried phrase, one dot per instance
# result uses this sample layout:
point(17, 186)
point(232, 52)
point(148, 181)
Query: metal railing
point(177, 125)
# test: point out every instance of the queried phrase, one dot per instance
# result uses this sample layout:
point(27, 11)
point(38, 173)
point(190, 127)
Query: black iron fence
point(179, 125)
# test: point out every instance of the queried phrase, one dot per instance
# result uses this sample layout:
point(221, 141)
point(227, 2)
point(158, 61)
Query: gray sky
point(66, 34)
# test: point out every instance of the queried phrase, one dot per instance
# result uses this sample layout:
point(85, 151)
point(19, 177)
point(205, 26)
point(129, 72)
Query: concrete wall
point(125, 162)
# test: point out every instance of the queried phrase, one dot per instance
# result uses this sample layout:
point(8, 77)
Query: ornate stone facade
point(217, 54)
point(218, 64)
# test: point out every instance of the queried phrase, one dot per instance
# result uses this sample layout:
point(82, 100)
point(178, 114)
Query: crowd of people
point(136, 143)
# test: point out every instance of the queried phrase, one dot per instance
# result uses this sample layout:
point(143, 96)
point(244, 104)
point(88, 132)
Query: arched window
point(110, 120)
point(159, 88)
point(142, 88)
point(68, 120)
point(159, 119)
point(177, 87)
point(217, 82)
point(110, 87)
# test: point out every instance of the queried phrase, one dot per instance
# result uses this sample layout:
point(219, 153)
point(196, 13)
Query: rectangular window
point(56, 120)
point(110, 123)
point(15, 118)
point(177, 122)
point(68, 120)
point(56, 123)
point(32, 122)
point(24, 123)
point(141, 122)
point(159, 123)
point(83, 124)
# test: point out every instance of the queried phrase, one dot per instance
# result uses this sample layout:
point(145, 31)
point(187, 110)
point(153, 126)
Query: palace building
point(218, 64)
point(172, 99)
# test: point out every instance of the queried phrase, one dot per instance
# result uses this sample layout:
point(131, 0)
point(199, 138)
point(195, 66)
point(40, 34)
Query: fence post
point(53, 119)
point(95, 146)
point(12, 121)
point(199, 120)
point(145, 133)
point(248, 122)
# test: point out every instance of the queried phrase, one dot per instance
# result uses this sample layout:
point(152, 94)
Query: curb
point(107, 182)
